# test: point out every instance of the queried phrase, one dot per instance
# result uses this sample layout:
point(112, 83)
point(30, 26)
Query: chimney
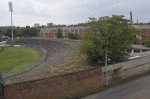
point(131, 20)
point(137, 21)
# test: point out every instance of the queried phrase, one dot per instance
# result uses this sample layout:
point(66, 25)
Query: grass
point(16, 58)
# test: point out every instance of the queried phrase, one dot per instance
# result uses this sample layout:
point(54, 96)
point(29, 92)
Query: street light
point(11, 10)
point(106, 65)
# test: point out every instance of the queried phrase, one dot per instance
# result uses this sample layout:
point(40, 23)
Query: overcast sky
point(28, 12)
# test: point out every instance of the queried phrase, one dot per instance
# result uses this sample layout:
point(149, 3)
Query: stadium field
point(16, 58)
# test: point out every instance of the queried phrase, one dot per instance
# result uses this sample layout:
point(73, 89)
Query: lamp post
point(106, 66)
point(106, 74)
point(11, 10)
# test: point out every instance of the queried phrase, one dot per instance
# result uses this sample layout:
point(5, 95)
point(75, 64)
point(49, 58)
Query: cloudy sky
point(28, 12)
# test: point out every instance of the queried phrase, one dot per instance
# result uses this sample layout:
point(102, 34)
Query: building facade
point(144, 33)
point(80, 30)
point(36, 25)
point(52, 32)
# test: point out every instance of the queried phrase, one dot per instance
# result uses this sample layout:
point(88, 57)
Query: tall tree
point(112, 34)
point(147, 42)
point(72, 35)
point(59, 33)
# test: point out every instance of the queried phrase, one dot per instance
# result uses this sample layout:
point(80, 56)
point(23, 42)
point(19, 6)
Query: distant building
point(80, 29)
point(36, 25)
point(50, 24)
point(145, 33)
point(51, 32)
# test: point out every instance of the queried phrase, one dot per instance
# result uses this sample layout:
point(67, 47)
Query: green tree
point(18, 32)
point(8, 32)
point(29, 31)
point(112, 34)
point(34, 32)
point(59, 33)
point(1, 33)
point(72, 35)
point(147, 42)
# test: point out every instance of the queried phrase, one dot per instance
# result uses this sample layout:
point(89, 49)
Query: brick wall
point(56, 87)
point(51, 32)
point(59, 87)
point(146, 33)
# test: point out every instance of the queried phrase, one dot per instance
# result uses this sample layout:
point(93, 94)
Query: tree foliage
point(72, 35)
point(19, 31)
point(113, 34)
point(59, 33)
point(147, 42)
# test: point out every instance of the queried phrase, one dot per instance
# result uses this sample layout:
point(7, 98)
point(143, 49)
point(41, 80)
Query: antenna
point(137, 21)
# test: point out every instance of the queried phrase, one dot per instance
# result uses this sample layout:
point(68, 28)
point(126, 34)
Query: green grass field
point(16, 58)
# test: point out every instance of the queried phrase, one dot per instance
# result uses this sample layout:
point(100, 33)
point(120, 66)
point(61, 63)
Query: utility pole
point(131, 19)
point(106, 67)
point(11, 10)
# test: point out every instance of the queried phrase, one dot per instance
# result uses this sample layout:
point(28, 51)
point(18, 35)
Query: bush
point(72, 35)
point(59, 33)
point(147, 42)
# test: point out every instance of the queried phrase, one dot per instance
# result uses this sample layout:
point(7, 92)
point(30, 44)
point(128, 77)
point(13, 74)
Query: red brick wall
point(56, 87)
point(50, 35)
point(146, 33)
point(81, 35)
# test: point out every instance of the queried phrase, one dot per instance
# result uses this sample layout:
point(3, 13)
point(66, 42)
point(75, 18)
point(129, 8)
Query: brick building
point(51, 32)
point(145, 33)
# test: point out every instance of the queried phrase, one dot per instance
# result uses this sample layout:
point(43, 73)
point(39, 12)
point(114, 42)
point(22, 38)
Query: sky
point(28, 12)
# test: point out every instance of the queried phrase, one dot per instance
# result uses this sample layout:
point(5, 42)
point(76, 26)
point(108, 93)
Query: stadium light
point(11, 10)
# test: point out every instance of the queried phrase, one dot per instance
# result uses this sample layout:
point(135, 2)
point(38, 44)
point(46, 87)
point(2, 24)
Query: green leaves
point(147, 42)
point(72, 35)
point(114, 33)
point(59, 33)
point(19, 31)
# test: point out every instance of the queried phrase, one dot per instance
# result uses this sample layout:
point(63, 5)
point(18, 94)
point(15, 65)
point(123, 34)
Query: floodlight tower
point(11, 11)
point(131, 19)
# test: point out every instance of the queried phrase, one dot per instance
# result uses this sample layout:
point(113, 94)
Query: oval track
point(57, 51)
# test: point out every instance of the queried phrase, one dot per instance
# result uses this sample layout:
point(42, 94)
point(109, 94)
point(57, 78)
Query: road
point(137, 89)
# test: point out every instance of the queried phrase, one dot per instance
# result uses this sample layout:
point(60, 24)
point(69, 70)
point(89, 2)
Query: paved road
point(137, 89)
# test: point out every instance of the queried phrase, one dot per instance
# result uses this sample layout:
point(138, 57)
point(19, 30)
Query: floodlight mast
point(11, 10)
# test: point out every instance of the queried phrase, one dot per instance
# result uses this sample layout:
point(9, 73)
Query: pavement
point(136, 89)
